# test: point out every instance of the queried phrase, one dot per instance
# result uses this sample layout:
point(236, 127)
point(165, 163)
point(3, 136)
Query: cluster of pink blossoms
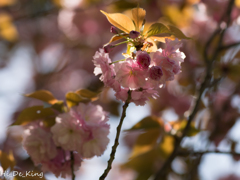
point(143, 74)
point(83, 131)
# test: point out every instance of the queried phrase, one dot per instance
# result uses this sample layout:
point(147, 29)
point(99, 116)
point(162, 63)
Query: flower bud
point(134, 34)
point(108, 48)
point(143, 59)
point(114, 30)
point(155, 73)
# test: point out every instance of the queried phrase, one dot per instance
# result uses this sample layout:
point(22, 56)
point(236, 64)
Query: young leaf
point(117, 37)
point(121, 21)
point(138, 15)
point(177, 32)
point(73, 99)
point(7, 160)
point(149, 122)
point(33, 113)
point(43, 95)
point(158, 29)
point(145, 142)
point(85, 93)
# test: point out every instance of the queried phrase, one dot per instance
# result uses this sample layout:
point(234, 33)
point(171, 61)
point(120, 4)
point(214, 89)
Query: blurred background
point(49, 44)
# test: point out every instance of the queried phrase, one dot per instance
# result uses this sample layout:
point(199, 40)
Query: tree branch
point(116, 143)
point(229, 46)
point(185, 153)
point(72, 165)
point(161, 174)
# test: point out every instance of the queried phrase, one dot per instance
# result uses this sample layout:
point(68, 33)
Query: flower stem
point(121, 43)
point(72, 165)
point(116, 61)
point(116, 143)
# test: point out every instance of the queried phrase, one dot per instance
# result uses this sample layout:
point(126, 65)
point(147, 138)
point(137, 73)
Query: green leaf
point(73, 99)
point(85, 93)
point(33, 113)
point(150, 122)
point(145, 142)
point(177, 32)
point(7, 160)
point(59, 106)
point(43, 95)
point(138, 15)
point(118, 37)
point(158, 29)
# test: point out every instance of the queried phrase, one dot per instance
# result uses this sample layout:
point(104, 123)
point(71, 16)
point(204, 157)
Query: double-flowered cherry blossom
point(142, 73)
point(83, 129)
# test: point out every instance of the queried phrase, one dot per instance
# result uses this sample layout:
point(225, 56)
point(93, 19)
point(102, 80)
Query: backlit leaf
point(145, 142)
point(7, 28)
point(33, 113)
point(121, 21)
point(7, 160)
point(118, 37)
point(180, 125)
point(43, 95)
point(85, 93)
point(73, 99)
point(166, 146)
point(150, 122)
point(158, 29)
point(7, 2)
point(177, 32)
point(138, 15)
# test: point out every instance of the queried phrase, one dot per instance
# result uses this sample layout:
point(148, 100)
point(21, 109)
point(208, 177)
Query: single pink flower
point(130, 75)
point(122, 94)
point(39, 144)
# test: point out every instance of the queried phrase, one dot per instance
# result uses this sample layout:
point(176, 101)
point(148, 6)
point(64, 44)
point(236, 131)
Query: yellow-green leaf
point(138, 15)
point(150, 122)
point(7, 160)
point(158, 29)
point(166, 146)
point(85, 93)
point(118, 37)
point(121, 21)
point(177, 32)
point(73, 99)
point(43, 95)
point(145, 142)
point(33, 113)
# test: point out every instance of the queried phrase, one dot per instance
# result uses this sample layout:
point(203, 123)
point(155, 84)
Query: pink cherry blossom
point(140, 97)
point(104, 67)
point(61, 164)
point(155, 73)
point(96, 140)
point(67, 132)
point(39, 144)
point(122, 94)
point(143, 59)
point(130, 75)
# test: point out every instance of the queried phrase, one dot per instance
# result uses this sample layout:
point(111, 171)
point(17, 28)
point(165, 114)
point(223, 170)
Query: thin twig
point(194, 153)
point(161, 174)
point(116, 143)
point(229, 46)
point(72, 165)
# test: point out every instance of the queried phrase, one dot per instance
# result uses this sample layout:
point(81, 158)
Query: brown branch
point(72, 165)
point(116, 143)
point(192, 153)
point(161, 174)
point(229, 46)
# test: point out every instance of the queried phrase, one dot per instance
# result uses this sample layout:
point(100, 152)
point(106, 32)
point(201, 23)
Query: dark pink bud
point(114, 30)
point(134, 34)
point(108, 48)
point(155, 73)
point(143, 59)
